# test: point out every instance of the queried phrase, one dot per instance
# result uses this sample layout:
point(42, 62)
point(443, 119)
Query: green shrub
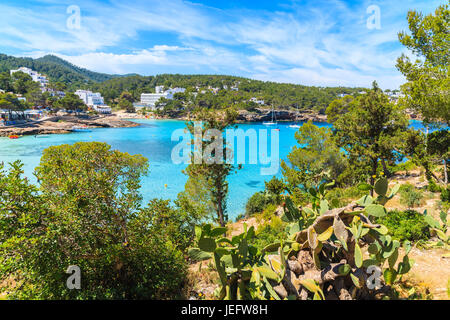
point(88, 214)
point(269, 211)
point(255, 204)
point(339, 197)
point(445, 195)
point(270, 232)
point(405, 166)
point(410, 196)
point(275, 187)
point(406, 225)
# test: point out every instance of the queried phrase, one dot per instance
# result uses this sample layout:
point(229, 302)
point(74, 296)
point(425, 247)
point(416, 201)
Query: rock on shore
point(260, 115)
point(64, 124)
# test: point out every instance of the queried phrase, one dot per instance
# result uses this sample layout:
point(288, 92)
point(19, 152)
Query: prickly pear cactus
point(323, 258)
point(326, 259)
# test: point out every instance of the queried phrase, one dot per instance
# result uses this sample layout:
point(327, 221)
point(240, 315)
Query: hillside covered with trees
point(57, 69)
point(230, 89)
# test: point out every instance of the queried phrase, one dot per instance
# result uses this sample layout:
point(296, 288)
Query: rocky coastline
point(257, 115)
point(261, 115)
point(64, 124)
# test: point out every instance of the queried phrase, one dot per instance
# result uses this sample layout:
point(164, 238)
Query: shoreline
point(65, 124)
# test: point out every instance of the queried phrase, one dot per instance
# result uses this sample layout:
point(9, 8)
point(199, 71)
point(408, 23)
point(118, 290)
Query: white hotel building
point(150, 99)
point(37, 77)
point(93, 100)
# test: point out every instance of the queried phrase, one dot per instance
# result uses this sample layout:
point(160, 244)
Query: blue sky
point(311, 42)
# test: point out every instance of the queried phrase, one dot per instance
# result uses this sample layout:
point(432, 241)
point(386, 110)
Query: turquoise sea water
point(153, 140)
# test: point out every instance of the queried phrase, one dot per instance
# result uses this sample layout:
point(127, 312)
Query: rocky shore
point(257, 115)
point(261, 115)
point(64, 124)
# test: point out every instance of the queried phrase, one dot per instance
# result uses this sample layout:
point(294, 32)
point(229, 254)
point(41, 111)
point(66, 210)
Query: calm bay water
point(153, 140)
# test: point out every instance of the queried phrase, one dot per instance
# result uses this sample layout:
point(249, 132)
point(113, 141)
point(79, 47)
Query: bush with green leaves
point(340, 196)
point(445, 195)
point(275, 188)
point(255, 204)
point(87, 213)
point(410, 196)
point(270, 232)
point(406, 225)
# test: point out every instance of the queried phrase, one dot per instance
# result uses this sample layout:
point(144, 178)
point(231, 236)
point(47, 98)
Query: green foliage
point(445, 195)
point(270, 232)
point(428, 86)
point(275, 188)
point(404, 166)
point(210, 176)
point(70, 102)
point(233, 260)
point(338, 197)
point(315, 160)
point(88, 213)
point(316, 258)
point(281, 95)
point(57, 69)
point(439, 228)
point(406, 225)
point(255, 204)
point(370, 132)
point(410, 196)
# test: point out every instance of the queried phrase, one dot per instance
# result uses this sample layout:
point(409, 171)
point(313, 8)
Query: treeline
point(56, 69)
point(281, 95)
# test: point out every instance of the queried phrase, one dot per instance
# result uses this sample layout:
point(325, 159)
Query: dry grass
point(202, 281)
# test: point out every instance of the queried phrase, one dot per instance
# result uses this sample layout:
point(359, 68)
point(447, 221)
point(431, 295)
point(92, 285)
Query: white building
point(37, 77)
point(102, 109)
point(151, 99)
point(257, 101)
point(90, 99)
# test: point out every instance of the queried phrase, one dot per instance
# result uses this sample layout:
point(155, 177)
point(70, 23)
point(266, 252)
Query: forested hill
point(56, 69)
point(278, 94)
point(111, 86)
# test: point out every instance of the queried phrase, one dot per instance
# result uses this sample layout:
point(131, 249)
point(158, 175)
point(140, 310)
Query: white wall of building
point(150, 99)
point(37, 77)
point(89, 98)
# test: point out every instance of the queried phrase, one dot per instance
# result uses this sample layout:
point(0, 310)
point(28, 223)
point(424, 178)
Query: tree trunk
point(385, 169)
point(445, 172)
point(220, 212)
point(373, 174)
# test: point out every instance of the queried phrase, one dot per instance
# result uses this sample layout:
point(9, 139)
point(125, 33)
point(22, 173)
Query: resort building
point(90, 99)
point(37, 77)
point(8, 117)
point(257, 101)
point(151, 99)
point(102, 109)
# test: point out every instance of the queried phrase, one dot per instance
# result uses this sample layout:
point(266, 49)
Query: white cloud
point(320, 42)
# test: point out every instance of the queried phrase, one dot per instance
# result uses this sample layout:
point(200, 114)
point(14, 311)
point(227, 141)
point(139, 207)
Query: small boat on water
point(14, 136)
point(273, 122)
point(295, 126)
point(81, 129)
